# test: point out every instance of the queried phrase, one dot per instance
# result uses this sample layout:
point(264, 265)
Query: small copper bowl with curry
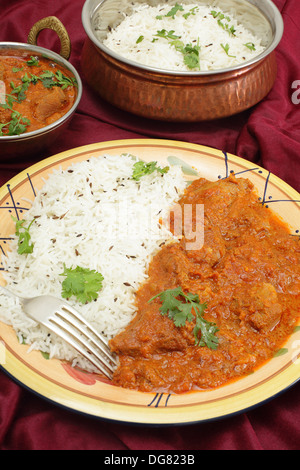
point(178, 95)
point(39, 92)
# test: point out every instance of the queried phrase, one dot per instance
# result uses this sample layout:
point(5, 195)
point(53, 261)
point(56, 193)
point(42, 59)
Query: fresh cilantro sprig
point(179, 307)
point(191, 53)
point(221, 18)
point(17, 69)
point(250, 46)
point(33, 61)
point(16, 125)
point(192, 11)
point(226, 49)
point(175, 9)
point(141, 168)
point(19, 91)
point(24, 243)
point(172, 12)
point(82, 283)
point(50, 79)
point(163, 33)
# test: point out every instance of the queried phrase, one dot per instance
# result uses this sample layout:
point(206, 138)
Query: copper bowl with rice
point(180, 95)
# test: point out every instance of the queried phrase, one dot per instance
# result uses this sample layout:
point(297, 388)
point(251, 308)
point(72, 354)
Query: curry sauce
point(248, 274)
point(37, 93)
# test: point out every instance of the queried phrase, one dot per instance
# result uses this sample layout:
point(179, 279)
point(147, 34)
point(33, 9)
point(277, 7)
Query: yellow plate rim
point(155, 414)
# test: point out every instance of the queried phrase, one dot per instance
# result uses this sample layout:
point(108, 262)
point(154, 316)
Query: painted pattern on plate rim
point(17, 208)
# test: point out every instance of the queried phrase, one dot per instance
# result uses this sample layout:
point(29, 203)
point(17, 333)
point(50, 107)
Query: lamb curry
point(37, 93)
point(246, 277)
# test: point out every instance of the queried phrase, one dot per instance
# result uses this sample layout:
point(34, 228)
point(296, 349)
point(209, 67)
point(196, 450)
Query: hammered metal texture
point(176, 98)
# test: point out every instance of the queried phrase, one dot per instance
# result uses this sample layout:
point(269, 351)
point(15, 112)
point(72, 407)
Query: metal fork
point(63, 320)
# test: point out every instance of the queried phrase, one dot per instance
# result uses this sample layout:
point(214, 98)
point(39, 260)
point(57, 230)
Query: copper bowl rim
point(52, 56)
point(277, 35)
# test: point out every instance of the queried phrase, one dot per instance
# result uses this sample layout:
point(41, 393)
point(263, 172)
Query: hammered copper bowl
point(32, 143)
point(177, 96)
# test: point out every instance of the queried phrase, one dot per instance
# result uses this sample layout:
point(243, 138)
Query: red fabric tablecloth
point(268, 134)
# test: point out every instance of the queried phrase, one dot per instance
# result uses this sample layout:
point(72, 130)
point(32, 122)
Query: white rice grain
point(194, 25)
point(92, 215)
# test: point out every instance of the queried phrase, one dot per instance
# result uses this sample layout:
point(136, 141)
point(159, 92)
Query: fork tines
point(76, 331)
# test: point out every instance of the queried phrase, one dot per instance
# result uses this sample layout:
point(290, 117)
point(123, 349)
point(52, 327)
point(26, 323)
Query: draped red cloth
point(268, 134)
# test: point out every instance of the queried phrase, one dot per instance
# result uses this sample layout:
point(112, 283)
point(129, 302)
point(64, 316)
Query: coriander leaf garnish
point(32, 61)
point(83, 283)
point(50, 79)
point(141, 168)
point(163, 33)
point(181, 311)
point(226, 49)
point(250, 46)
point(32, 79)
point(214, 13)
point(174, 10)
point(140, 39)
point(220, 17)
point(17, 123)
point(19, 91)
point(24, 245)
point(17, 69)
point(171, 13)
point(192, 11)
point(64, 81)
point(191, 54)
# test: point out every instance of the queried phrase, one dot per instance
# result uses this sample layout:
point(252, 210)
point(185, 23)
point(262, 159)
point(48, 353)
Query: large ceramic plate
point(85, 393)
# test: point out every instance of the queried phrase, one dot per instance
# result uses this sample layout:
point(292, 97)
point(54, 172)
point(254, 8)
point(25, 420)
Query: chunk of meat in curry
point(248, 272)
